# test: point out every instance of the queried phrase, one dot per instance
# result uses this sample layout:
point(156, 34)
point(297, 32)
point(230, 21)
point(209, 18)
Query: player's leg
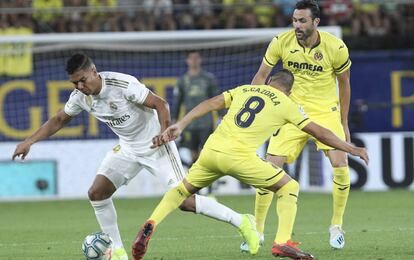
point(202, 136)
point(285, 145)
point(106, 182)
point(274, 179)
point(340, 192)
point(170, 201)
point(201, 174)
point(169, 168)
point(264, 197)
point(209, 167)
point(341, 179)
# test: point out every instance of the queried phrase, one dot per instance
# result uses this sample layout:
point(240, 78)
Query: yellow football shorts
point(249, 169)
point(290, 140)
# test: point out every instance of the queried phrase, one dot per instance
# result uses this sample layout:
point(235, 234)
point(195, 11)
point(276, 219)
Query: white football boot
point(337, 237)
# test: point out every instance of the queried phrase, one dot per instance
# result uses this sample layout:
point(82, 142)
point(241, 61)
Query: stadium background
point(34, 86)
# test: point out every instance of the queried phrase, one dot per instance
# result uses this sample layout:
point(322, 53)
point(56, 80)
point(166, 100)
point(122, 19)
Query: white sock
point(106, 215)
point(213, 209)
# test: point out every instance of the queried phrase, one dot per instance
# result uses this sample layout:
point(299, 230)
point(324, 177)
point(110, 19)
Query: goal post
point(155, 58)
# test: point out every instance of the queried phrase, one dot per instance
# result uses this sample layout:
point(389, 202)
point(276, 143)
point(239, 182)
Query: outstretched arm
point(172, 132)
point(49, 128)
point(212, 104)
point(327, 137)
point(261, 74)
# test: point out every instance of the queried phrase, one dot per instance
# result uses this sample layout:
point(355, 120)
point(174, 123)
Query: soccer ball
point(97, 246)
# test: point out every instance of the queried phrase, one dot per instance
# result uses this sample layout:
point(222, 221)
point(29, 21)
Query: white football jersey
point(119, 105)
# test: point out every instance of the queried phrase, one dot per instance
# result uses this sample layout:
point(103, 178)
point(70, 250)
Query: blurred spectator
point(239, 14)
point(265, 13)
point(370, 20)
point(338, 12)
point(364, 24)
point(202, 11)
point(47, 14)
point(183, 15)
point(133, 15)
point(101, 18)
point(159, 15)
point(285, 7)
point(74, 22)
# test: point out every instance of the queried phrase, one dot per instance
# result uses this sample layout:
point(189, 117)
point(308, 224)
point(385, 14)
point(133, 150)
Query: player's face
point(194, 60)
point(85, 81)
point(304, 24)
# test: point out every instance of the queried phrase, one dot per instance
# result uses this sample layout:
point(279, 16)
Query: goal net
point(34, 86)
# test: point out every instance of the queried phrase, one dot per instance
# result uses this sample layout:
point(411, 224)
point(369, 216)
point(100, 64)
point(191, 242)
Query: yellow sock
point(263, 200)
point(171, 200)
point(340, 192)
point(287, 198)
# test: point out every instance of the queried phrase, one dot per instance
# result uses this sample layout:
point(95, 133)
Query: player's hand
point(361, 153)
point(157, 141)
point(171, 133)
point(21, 150)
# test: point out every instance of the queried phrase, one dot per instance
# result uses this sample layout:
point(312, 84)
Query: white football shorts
point(120, 165)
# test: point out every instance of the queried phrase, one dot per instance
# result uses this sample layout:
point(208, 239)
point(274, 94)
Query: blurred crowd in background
point(366, 24)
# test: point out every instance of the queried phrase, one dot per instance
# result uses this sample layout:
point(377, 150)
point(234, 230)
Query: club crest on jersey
point(318, 56)
point(113, 106)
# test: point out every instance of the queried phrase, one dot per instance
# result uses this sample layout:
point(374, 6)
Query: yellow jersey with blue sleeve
point(255, 112)
point(315, 69)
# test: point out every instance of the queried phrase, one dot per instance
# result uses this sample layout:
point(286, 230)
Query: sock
point(286, 207)
point(106, 215)
point(263, 201)
point(211, 208)
point(171, 200)
point(340, 192)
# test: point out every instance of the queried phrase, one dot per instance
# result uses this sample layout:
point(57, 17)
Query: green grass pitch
point(379, 226)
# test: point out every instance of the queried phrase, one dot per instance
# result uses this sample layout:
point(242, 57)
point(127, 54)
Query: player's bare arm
point(344, 100)
point(49, 128)
point(261, 74)
point(212, 104)
point(327, 137)
point(163, 110)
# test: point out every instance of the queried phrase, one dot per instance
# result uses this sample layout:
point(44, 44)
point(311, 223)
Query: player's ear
point(94, 71)
point(316, 21)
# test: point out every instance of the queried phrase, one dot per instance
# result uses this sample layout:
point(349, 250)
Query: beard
point(303, 35)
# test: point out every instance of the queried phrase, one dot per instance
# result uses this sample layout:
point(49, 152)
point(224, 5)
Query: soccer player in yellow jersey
point(254, 113)
point(318, 60)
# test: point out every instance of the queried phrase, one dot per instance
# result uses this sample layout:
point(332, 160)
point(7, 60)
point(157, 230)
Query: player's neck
point(98, 83)
point(311, 41)
point(194, 71)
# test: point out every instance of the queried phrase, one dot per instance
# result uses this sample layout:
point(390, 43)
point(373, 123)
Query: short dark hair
point(284, 78)
point(78, 61)
point(311, 5)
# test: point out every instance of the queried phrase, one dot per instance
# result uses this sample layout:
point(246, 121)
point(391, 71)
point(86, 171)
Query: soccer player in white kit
point(136, 115)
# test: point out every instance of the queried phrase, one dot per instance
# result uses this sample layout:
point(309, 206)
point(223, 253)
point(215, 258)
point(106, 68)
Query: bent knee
point(188, 204)
point(339, 164)
point(96, 194)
